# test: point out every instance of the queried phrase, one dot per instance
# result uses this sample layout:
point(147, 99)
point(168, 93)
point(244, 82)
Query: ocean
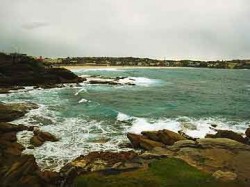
point(90, 118)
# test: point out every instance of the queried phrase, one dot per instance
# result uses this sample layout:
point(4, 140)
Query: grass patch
point(164, 172)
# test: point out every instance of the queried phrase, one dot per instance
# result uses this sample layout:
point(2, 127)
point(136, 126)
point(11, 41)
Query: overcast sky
point(171, 29)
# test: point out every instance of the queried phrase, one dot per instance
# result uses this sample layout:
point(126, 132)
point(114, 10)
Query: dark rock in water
point(40, 137)
point(168, 137)
point(248, 132)
point(110, 82)
point(227, 134)
point(118, 78)
point(45, 136)
point(6, 90)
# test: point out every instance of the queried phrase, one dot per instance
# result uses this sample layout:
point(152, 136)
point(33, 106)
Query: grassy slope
point(165, 172)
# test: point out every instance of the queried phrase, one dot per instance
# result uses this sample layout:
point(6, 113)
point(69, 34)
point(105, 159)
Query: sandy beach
point(70, 67)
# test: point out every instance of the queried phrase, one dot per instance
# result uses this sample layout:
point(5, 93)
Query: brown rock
point(23, 166)
point(12, 111)
point(9, 136)
point(4, 90)
point(36, 141)
point(45, 136)
point(152, 135)
point(224, 175)
point(11, 148)
point(49, 176)
point(134, 139)
point(30, 181)
point(40, 137)
point(248, 132)
point(139, 141)
point(150, 144)
point(168, 137)
point(228, 134)
point(8, 127)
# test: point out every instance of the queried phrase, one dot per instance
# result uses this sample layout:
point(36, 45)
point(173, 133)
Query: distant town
point(130, 61)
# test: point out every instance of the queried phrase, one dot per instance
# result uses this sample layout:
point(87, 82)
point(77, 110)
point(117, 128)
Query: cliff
point(21, 70)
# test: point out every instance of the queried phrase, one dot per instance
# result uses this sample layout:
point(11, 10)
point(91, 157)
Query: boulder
point(135, 139)
point(224, 176)
point(152, 135)
point(248, 132)
point(36, 141)
point(40, 137)
point(150, 144)
point(139, 141)
point(227, 134)
point(45, 136)
point(168, 137)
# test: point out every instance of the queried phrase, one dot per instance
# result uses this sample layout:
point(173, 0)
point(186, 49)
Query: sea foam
point(196, 128)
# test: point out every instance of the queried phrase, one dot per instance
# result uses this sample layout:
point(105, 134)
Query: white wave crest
point(196, 128)
point(139, 81)
point(83, 101)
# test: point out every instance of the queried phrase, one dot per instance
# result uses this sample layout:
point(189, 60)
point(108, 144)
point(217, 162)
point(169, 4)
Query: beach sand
point(70, 67)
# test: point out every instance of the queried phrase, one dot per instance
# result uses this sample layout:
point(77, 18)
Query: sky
point(161, 29)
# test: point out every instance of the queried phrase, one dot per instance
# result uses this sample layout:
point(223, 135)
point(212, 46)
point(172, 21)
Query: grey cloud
point(179, 29)
point(34, 25)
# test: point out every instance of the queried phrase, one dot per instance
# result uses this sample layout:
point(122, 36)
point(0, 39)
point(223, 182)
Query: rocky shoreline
point(221, 159)
point(160, 158)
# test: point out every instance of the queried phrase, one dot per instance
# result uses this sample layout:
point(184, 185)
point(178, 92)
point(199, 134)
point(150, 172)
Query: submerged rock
point(109, 81)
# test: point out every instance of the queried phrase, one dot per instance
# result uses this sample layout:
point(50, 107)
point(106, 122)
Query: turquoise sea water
point(97, 117)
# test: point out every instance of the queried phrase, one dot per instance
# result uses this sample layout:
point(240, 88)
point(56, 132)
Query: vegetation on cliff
point(21, 70)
